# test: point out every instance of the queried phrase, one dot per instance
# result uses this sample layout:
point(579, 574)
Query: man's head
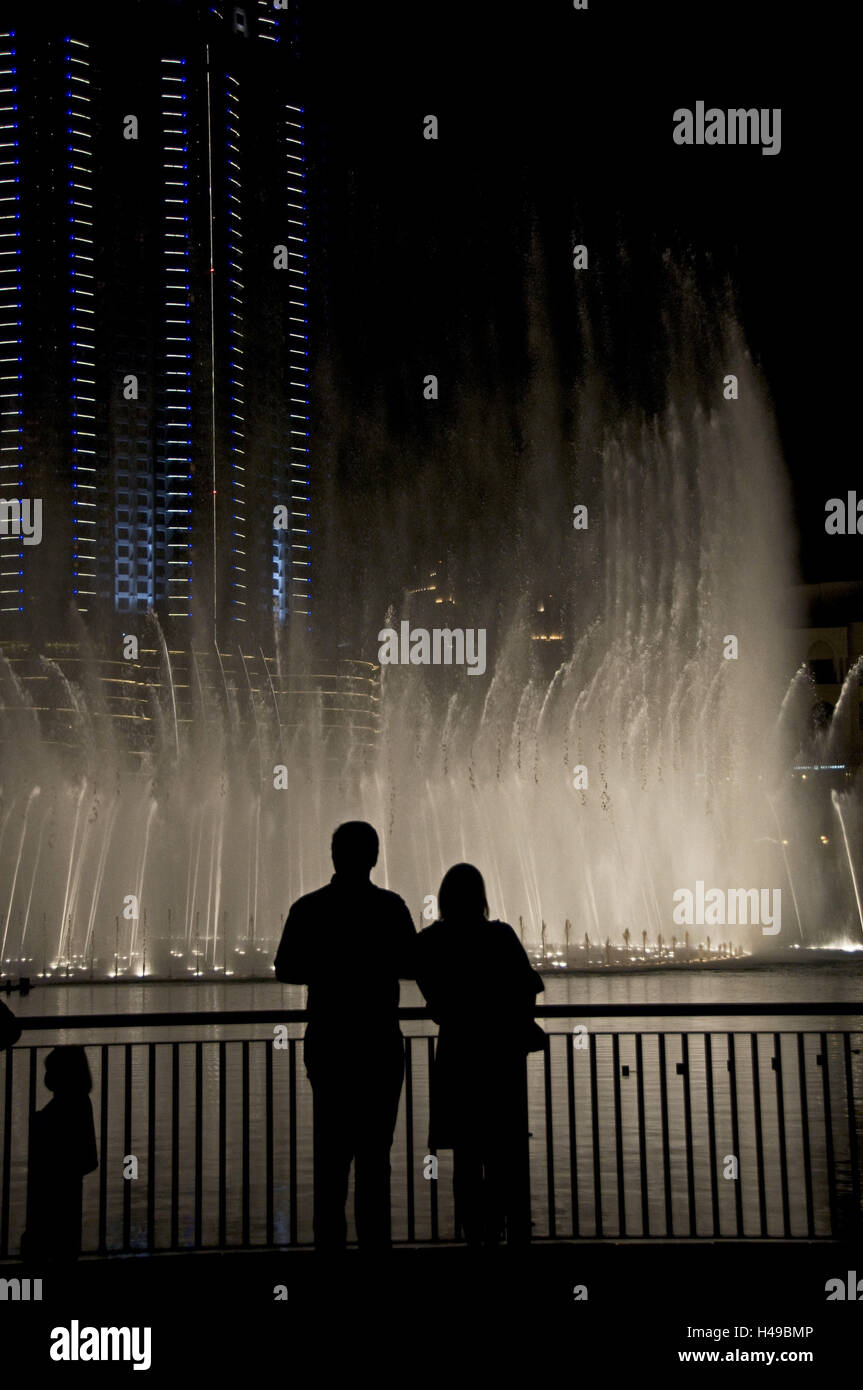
point(355, 849)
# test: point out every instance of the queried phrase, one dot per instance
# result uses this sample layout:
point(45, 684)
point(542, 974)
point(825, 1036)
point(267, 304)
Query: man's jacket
point(350, 945)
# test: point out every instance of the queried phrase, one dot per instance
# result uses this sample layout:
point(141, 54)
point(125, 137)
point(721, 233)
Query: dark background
point(555, 128)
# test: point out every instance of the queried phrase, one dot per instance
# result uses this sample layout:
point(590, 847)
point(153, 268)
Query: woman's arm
point(430, 977)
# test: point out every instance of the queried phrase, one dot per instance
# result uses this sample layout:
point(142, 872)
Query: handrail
point(42, 1023)
point(657, 1098)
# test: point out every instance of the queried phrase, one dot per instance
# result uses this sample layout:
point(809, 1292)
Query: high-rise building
point(154, 358)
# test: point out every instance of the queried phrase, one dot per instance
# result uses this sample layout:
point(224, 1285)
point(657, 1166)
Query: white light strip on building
point(177, 439)
point(236, 382)
point(83, 345)
point(12, 599)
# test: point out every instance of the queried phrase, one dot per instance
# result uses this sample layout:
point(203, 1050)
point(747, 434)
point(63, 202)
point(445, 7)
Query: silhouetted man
point(351, 942)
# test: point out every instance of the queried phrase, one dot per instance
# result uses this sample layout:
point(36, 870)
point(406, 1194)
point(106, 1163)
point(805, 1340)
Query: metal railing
point(634, 1134)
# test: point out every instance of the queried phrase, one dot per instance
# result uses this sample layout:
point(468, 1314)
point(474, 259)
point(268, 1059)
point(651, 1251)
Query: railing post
point(127, 1144)
point(573, 1146)
point(246, 1155)
point(853, 1151)
point(687, 1122)
point(642, 1136)
point(270, 1177)
point(151, 1146)
point(711, 1131)
point(828, 1135)
point(31, 1111)
point(780, 1121)
point(435, 1230)
point(104, 1082)
point(804, 1132)
point(223, 1144)
point(735, 1131)
point(666, 1147)
point(549, 1140)
point(8, 1065)
point(175, 1145)
point(292, 1136)
point(409, 1138)
point(618, 1135)
point(594, 1111)
point(759, 1135)
point(199, 1145)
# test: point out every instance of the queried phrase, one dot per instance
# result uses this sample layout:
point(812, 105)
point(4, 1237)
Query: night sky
point(556, 127)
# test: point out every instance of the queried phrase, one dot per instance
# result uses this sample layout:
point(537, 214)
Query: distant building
point(547, 624)
point(431, 599)
point(830, 644)
point(155, 347)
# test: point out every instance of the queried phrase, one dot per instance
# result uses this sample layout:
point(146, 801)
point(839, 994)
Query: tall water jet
point(837, 806)
point(632, 736)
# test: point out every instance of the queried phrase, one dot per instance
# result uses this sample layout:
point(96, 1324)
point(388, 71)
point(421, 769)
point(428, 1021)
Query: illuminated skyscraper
point(155, 353)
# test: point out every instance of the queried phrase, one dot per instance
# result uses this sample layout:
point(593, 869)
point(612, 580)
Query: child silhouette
point(62, 1150)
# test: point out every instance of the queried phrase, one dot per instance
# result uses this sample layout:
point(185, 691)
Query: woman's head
point(462, 893)
point(67, 1071)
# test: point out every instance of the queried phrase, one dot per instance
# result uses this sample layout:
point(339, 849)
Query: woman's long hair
point(462, 893)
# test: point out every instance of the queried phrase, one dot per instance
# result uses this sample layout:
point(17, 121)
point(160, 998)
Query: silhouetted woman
point(480, 988)
point(62, 1150)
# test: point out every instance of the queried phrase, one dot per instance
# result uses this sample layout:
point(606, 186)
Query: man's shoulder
point(435, 931)
point(389, 901)
point(311, 902)
point(381, 899)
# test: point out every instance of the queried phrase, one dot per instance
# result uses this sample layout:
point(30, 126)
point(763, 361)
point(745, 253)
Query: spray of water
point(654, 752)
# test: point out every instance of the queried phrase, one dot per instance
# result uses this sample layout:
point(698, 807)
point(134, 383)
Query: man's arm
point(293, 956)
point(406, 942)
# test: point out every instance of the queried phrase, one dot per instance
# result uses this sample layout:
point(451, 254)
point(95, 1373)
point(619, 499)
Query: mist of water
point(655, 751)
